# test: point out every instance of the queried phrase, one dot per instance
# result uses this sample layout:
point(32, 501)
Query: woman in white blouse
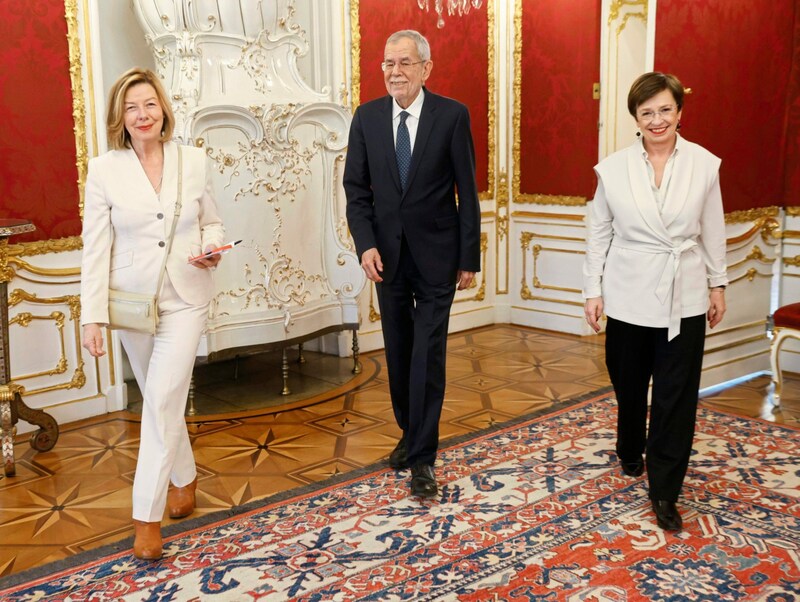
point(655, 264)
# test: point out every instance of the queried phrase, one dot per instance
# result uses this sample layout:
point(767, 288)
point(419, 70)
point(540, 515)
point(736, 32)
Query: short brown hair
point(648, 85)
point(118, 136)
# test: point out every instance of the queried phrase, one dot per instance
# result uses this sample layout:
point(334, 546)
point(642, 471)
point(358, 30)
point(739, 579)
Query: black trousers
point(634, 355)
point(414, 318)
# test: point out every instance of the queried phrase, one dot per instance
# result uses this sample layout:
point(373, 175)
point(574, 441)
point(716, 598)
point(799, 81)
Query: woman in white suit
point(131, 193)
point(655, 263)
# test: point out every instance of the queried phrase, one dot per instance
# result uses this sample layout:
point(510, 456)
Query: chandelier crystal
point(454, 7)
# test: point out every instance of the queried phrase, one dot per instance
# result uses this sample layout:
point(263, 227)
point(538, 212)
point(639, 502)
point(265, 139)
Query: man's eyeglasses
point(664, 113)
point(402, 65)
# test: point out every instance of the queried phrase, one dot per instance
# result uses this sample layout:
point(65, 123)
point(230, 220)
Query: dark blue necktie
point(403, 150)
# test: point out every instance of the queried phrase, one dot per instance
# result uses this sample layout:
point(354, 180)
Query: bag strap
point(178, 204)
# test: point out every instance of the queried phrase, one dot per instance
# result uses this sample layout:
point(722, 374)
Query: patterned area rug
point(533, 511)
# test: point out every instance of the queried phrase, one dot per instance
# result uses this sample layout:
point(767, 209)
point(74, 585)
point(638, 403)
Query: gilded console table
point(12, 408)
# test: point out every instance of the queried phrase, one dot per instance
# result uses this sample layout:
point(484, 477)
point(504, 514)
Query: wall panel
point(736, 55)
point(38, 173)
point(560, 61)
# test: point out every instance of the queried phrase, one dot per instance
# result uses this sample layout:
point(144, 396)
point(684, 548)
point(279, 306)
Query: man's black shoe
point(423, 481)
point(667, 515)
point(633, 469)
point(398, 459)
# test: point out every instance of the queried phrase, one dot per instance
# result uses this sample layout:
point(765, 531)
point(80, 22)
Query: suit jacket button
point(161, 243)
point(160, 216)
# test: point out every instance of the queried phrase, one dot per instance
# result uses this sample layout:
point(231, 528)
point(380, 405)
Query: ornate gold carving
point(617, 6)
point(549, 199)
point(6, 273)
point(755, 254)
point(766, 225)
point(502, 207)
point(355, 37)
point(40, 247)
point(517, 117)
point(750, 275)
point(793, 211)
point(792, 261)
point(492, 102)
point(525, 241)
point(575, 217)
point(751, 215)
point(374, 316)
point(78, 103)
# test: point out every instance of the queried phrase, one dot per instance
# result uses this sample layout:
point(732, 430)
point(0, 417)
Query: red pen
point(218, 251)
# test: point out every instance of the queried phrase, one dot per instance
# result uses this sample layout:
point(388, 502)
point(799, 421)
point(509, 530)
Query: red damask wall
point(38, 176)
point(558, 126)
point(460, 61)
point(737, 56)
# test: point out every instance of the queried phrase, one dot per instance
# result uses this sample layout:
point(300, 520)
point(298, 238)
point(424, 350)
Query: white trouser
point(163, 367)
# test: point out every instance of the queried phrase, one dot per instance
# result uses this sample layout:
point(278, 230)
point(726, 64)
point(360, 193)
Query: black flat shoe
point(633, 469)
point(423, 481)
point(667, 515)
point(398, 459)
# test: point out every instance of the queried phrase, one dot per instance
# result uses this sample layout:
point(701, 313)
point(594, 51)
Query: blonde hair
point(118, 136)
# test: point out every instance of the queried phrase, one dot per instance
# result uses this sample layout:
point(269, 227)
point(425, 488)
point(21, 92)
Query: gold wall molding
point(793, 211)
point(73, 302)
point(751, 215)
point(718, 332)
point(792, 261)
point(755, 254)
point(739, 343)
point(767, 226)
point(355, 54)
point(24, 320)
point(750, 275)
point(41, 247)
point(492, 92)
point(546, 199)
point(541, 215)
point(537, 250)
point(78, 101)
point(618, 5)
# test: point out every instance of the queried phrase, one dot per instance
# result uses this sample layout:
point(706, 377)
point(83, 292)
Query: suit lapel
point(169, 185)
point(679, 186)
point(139, 184)
point(426, 119)
point(643, 193)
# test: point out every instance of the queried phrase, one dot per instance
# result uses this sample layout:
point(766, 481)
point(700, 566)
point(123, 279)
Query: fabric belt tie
point(670, 277)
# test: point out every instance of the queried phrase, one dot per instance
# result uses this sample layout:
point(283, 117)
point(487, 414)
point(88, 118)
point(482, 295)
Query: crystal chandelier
point(459, 7)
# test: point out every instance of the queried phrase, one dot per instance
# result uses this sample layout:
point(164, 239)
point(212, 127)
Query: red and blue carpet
point(538, 510)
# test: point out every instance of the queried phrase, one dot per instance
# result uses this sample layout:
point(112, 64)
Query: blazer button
point(161, 243)
point(160, 216)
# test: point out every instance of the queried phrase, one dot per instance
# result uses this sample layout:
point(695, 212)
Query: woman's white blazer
point(651, 268)
point(126, 226)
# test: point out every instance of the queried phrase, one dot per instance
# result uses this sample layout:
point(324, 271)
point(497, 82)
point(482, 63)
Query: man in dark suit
point(408, 154)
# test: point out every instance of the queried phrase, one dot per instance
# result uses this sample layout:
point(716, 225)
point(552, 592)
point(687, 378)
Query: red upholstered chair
point(787, 324)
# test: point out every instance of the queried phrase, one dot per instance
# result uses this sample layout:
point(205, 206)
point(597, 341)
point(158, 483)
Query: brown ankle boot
point(147, 540)
point(181, 500)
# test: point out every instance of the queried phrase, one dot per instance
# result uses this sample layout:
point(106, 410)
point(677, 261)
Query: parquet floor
point(78, 496)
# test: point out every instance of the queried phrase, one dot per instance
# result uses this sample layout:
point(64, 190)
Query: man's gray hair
point(423, 48)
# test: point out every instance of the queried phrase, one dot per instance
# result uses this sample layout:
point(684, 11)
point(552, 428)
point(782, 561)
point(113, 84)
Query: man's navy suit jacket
point(442, 236)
